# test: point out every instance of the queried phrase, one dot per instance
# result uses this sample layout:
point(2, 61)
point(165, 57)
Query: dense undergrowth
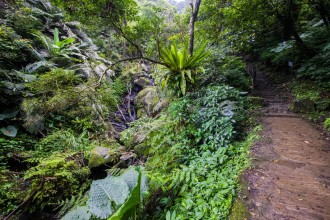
point(193, 158)
point(59, 100)
point(128, 124)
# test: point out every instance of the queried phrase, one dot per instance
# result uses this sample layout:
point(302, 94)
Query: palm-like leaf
point(180, 65)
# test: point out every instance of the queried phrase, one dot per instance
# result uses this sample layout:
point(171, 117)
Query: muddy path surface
point(290, 174)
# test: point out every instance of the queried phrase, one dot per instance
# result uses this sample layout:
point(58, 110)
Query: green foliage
point(326, 124)
point(25, 22)
point(171, 216)
point(65, 205)
point(54, 92)
point(191, 157)
point(225, 69)
point(9, 131)
point(59, 47)
point(306, 90)
point(58, 177)
point(12, 191)
point(111, 92)
point(62, 141)
point(81, 213)
point(130, 207)
point(15, 148)
point(317, 68)
point(182, 67)
point(116, 11)
point(105, 192)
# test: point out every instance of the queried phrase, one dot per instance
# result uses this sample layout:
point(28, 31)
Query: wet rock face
point(145, 101)
point(85, 59)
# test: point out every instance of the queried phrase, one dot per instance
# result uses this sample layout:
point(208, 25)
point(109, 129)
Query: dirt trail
point(290, 178)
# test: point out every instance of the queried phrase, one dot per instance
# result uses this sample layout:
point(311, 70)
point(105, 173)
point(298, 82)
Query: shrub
point(229, 70)
point(326, 124)
point(62, 141)
point(61, 99)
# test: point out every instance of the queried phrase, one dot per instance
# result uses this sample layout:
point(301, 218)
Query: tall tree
point(195, 4)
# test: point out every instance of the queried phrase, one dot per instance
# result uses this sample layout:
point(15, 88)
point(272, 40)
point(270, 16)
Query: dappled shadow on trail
point(290, 174)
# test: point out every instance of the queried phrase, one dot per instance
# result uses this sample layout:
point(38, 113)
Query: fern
point(113, 171)
point(65, 205)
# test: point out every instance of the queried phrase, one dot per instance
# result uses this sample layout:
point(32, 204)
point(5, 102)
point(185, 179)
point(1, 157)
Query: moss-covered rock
point(131, 139)
point(146, 101)
point(103, 155)
point(143, 82)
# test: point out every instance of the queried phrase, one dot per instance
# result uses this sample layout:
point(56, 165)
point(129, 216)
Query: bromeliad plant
point(182, 67)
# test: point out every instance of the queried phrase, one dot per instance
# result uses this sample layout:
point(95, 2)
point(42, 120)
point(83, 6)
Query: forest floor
point(290, 173)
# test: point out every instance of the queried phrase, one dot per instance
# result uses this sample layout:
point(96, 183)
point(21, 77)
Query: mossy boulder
point(148, 103)
point(103, 155)
point(146, 100)
point(143, 82)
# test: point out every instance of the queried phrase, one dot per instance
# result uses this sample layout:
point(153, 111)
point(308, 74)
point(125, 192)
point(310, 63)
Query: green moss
point(14, 51)
point(239, 211)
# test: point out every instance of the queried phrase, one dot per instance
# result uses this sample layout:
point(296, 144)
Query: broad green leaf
point(129, 207)
point(9, 114)
point(68, 40)
point(104, 193)
point(9, 131)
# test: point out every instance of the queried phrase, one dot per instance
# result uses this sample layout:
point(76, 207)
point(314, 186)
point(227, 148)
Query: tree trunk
point(288, 22)
point(194, 12)
point(321, 8)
